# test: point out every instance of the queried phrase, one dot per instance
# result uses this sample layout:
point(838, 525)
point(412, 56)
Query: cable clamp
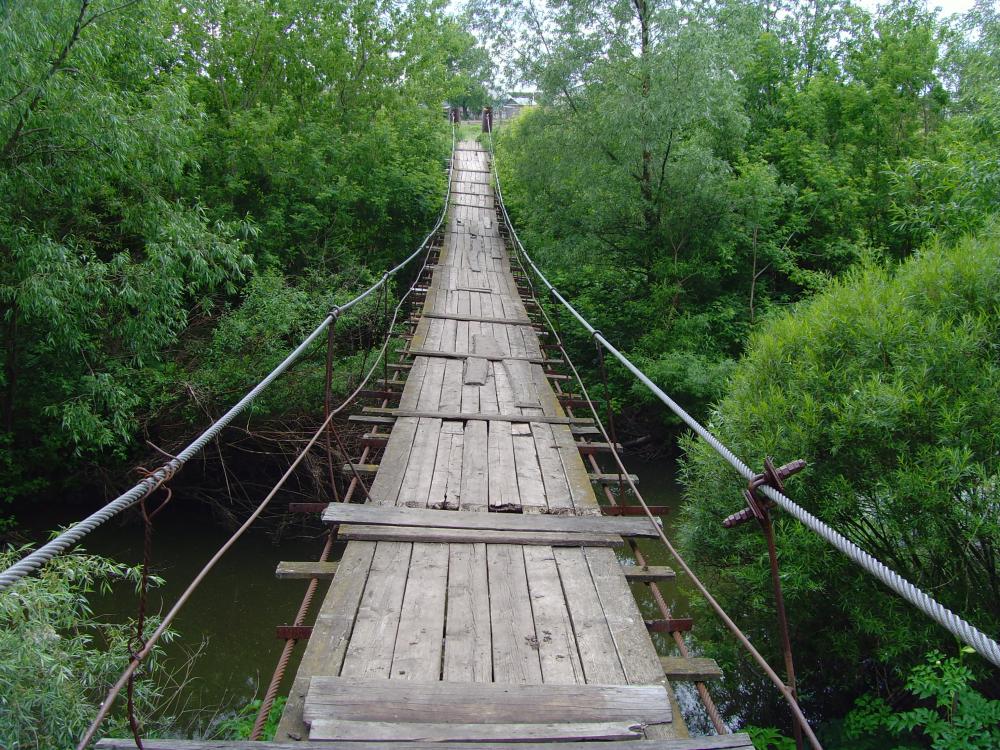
point(334, 312)
point(758, 505)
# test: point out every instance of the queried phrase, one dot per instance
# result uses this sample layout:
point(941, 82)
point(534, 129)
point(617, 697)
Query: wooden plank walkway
point(503, 638)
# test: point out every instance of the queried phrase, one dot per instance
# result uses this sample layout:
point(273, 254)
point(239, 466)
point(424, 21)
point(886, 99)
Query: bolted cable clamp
point(758, 506)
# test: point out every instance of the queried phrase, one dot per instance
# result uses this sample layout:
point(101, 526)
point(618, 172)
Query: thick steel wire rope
point(183, 598)
point(36, 559)
point(957, 626)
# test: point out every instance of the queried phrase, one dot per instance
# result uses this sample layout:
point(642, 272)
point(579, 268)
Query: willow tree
point(102, 257)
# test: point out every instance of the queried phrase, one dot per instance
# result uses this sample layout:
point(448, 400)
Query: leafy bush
point(240, 726)
point(58, 660)
point(953, 715)
point(887, 385)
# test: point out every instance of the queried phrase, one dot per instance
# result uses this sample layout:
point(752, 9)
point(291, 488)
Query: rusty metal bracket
point(670, 625)
point(758, 506)
point(293, 632)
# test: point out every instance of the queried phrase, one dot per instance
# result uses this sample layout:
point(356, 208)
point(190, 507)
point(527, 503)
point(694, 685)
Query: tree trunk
point(10, 370)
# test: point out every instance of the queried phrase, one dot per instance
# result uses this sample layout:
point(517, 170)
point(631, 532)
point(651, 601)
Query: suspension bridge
point(480, 599)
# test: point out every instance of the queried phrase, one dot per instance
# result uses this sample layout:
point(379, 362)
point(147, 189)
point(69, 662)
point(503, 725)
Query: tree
point(102, 255)
point(154, 156)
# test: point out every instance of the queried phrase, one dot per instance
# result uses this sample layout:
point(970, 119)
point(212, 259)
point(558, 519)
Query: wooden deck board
point(425, 517)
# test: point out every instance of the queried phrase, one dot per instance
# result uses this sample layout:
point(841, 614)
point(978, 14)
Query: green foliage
point(58, 660)
point(952, 714)
point(240, 726)
point(721, 160)
point(102, 254)
point(155, 158)
point(769, 738)
point(885, 384)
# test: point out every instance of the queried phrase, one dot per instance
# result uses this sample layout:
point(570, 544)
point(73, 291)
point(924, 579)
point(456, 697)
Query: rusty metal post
point(779, 606)
point(487, 119)
point(609, 415)
point(759, 508)
point(327, 396)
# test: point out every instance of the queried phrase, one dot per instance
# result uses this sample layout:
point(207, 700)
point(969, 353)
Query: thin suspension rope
point(36, 559)
point(957, 626)
point(139, 657)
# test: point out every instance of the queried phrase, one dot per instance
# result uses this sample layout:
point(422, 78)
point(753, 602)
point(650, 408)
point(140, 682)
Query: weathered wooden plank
point(529, 475)
point(417, 654)
point(580, 489)
point(465, 416)
point(350, 469)
point(483, 702)
point(556, 643)
point(416, 486)
point(503, 491)
point(648, 573)
point(382, 731)
point(324, 654)
point(597, 647)
point(628, 629)
point(716, 742)
point(470, 536)
point(505, 390)
point(433, 354)
point(305, 570)
point(727, 742)
point(475, 474)
point(379, 515)
point(451, 387)
point(486, 345)
point(446, 487)
point(369, 653)
point(515, 650)
point(468, 651)
point(557, 496)
point(480, 319)
point(475, 371)
point(691, 669)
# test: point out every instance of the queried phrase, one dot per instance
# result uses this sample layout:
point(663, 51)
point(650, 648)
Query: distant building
point(515, 103)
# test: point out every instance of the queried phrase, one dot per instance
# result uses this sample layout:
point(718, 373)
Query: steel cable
point(957, 626)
